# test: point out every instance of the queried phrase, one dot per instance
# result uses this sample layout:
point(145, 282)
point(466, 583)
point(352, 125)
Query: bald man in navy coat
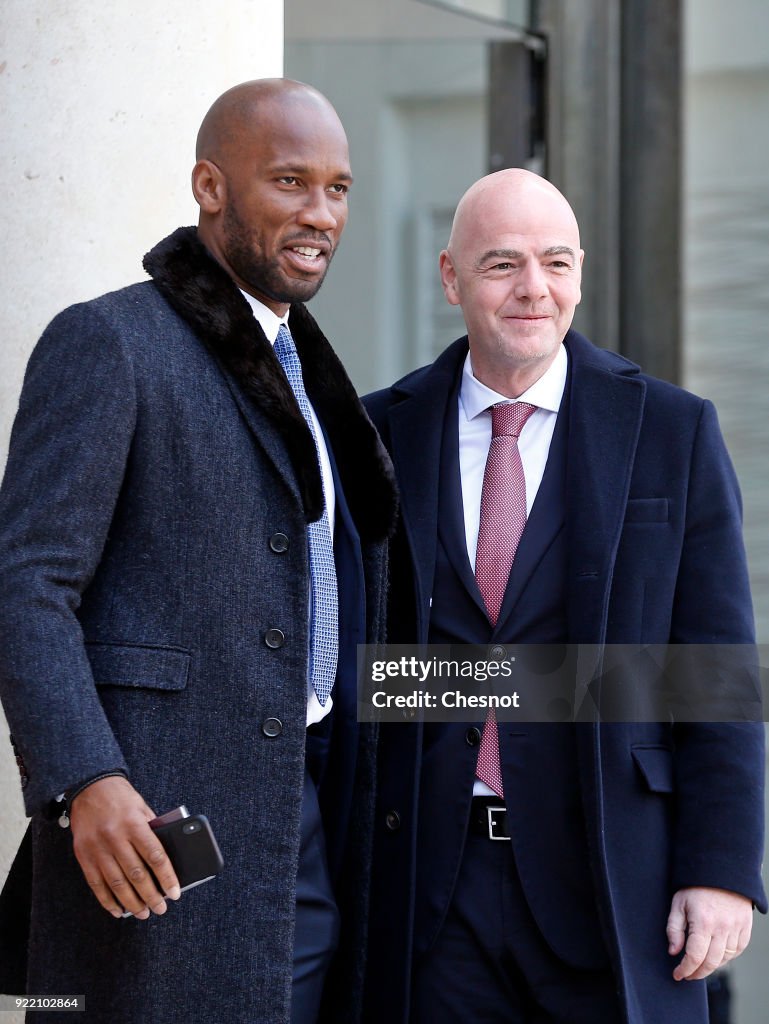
point(625, 865)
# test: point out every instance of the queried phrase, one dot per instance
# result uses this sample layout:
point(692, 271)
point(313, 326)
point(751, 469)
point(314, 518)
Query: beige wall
point(100, 104)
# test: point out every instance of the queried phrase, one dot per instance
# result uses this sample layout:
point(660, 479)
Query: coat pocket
point(656, 767)
point(138, 665)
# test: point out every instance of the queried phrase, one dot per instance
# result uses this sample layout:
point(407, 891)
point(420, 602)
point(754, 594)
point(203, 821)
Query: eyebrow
point(560, 250)
point(301, 170)
point(514, 254)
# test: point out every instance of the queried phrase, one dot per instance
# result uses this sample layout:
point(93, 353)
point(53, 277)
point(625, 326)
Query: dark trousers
point(490, 964)
point(317, 918)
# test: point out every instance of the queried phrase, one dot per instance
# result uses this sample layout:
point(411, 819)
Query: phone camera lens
point(190, 827)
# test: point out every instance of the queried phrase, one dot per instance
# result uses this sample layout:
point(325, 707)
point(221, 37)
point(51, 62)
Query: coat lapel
point(198, 288)
point(416, 433)
point(451, 516)
point(265, 431)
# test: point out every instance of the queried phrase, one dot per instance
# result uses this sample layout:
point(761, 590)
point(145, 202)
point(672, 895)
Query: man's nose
point(321, 211)
point(531, 282)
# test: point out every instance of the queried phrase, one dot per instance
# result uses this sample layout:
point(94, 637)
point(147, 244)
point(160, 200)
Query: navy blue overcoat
point(654, 557)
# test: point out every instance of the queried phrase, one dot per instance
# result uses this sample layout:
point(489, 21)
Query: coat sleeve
point(719, 768)
point(66, 462)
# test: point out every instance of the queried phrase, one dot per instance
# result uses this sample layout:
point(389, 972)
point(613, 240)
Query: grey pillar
point(650, 269)
point(516, 105)
point(583, 143)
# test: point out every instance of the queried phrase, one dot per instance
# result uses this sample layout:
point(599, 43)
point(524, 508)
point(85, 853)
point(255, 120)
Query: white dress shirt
point(271, 323)
point(533, 445)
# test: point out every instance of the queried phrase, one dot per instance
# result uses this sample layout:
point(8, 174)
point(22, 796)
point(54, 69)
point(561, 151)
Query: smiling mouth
point(308, 258)
point(306, 250)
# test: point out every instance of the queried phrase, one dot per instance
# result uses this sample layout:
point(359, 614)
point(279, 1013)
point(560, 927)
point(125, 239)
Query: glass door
point(412, 83)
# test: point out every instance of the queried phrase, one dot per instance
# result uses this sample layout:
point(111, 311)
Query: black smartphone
point(191, 847)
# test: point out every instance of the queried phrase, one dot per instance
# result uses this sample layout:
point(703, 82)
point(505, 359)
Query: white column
point(100, 104)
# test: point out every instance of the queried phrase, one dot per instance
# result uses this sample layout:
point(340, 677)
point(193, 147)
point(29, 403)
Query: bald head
point(513, 264)
point(515, 193)
point(249, 108)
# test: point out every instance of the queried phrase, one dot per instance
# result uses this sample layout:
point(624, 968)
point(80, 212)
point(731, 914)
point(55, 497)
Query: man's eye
point(287, 179)
point(340, 190)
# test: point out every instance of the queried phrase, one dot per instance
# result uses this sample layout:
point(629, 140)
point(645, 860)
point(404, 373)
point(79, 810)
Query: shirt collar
point(269, 321)
point(546, 393)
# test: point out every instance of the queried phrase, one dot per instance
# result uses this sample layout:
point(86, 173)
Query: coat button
point(274, 638)
point(473, 737)
point(278, 543)
point(272, 727)
point(393, 821)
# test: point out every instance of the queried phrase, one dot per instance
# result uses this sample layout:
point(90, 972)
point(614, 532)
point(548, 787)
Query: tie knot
point(508, 418)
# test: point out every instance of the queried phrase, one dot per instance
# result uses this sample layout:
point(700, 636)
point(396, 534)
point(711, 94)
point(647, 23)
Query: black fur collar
point(204, 294)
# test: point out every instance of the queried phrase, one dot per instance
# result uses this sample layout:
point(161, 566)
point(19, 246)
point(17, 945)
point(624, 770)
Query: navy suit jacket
point(652, 530)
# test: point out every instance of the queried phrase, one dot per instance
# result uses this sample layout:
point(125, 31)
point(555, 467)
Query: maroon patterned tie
point(503, 517)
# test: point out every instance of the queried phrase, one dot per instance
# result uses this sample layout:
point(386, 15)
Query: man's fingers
point(150, 849)
point(138, 878)
point(735, 946)
point(102, 891)
point(110, 860)
point(676, 927)
point(696, 967)
point(696, 951)
point(111, 888)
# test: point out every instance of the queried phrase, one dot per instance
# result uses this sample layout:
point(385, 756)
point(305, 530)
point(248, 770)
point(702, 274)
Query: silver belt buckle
point(491, 811)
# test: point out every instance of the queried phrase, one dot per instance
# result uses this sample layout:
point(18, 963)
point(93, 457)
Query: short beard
point(241, 249)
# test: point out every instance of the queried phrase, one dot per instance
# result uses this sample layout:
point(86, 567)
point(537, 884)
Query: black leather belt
point(488, 818)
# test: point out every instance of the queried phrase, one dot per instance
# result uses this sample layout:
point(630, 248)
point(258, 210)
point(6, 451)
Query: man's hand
point(714, 923)
point(114, 846)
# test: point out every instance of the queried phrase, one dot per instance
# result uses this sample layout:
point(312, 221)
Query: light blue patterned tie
point(324, 622)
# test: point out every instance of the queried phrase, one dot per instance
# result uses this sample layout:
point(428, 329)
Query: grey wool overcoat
point(157, 450)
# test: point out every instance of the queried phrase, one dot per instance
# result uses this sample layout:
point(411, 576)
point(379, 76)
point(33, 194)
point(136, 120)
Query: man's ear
point(448, 277)
point(209, 186)
point(579, 284)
